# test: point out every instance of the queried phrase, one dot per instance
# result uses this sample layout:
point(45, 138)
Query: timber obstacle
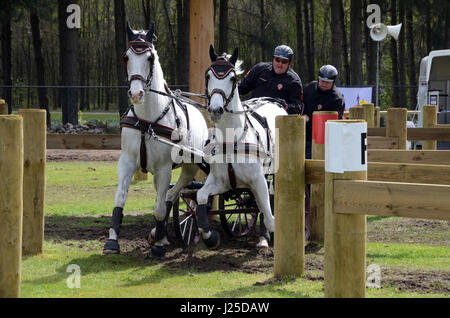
point(22, 191)
point(349, 197)
point(387, 145)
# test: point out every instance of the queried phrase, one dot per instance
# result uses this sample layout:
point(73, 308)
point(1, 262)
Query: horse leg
point(210, 237)
point(261, 193)
point(126, 169)
point(161, 181)
point(187, 175)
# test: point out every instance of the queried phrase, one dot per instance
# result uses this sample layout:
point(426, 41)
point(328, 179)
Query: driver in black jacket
point(275, 79)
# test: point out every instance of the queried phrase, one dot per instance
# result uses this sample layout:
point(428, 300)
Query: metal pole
point(377, 85)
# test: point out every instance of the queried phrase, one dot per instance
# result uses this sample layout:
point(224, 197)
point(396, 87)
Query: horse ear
point(130, 32)
point(150, 34)
point(234, 57)
point(212, 53)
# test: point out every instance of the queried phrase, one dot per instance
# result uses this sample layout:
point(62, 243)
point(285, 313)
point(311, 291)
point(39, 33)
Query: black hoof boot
point(158, 251)
point(111, 247)
point(213, 241)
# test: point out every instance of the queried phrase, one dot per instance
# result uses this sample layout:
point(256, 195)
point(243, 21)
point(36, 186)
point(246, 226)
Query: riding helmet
point(283, 51)
point(328, 73)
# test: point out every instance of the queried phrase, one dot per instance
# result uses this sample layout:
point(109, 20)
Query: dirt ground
point(240, 254)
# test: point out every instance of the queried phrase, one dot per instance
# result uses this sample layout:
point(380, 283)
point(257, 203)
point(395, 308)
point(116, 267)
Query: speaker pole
point(377, 85)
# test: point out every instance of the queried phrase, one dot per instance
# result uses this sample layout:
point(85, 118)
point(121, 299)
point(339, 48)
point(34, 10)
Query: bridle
point(140, 47)
point(221, 68)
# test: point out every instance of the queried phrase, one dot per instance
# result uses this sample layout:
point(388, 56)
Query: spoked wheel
point(185, 220)
point(241, 219)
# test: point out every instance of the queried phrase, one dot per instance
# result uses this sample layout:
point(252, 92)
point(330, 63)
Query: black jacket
point(313, 96)
point(262, 81)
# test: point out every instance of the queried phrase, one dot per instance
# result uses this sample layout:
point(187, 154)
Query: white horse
point(250, 136)
point(153, 116)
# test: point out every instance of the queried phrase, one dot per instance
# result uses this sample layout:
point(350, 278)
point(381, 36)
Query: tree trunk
point(402, 55)
point(182, 60)
point(147, 13)
point(223, 23)
point(39, 61)
point(6, 55)
point(261, 29)
point(411, 65)
point(394, 58)
point(301, 70)
point(69, 39)
point(309, 53)
point(355, 42)
point(346, 71)
point(121, 45)
point(336, 35)
point(173, 46)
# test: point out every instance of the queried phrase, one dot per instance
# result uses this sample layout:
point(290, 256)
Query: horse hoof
point(151, 239)
point(158, 251)
point(213, 241)
point(111, 247)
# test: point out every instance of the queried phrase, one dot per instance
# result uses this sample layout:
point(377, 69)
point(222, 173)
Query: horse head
point(221, 82)
point(139, 59)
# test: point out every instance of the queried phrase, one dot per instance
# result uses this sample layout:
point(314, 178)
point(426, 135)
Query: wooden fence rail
point(392, 172)
point(414, 200)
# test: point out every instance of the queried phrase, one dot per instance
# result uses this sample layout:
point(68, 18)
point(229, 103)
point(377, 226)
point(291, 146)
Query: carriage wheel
point(237, 224)
point(185, 220)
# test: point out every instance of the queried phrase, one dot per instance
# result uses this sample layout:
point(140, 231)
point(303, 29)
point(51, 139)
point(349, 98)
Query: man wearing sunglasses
point(275, 79)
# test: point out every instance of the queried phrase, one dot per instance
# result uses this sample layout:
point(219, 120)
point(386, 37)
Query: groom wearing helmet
point(275, 79)
point(321, 95)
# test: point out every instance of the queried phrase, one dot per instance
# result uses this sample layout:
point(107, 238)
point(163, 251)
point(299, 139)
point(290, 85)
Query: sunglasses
point(283, 61)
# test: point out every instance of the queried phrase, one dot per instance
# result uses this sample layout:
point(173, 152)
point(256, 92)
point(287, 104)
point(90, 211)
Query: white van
point(434, 85)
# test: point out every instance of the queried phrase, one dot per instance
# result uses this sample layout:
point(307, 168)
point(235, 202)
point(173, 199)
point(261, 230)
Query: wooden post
point(356, 112)
point(34, 135)
point(3, 107)
point(11, 206)
point(317, 190)
point(201, 35)
point(396, 125)
point(369, 114)
point(429, 121)
point(345, 242)
point(377, 116)
point(289, 249)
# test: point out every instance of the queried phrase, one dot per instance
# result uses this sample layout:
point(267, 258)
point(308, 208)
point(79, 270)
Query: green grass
point(92, 187)
point(87, 189)
point(413, 256)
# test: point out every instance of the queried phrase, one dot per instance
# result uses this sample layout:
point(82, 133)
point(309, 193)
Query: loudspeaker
point(394, 30)
point(379, 31)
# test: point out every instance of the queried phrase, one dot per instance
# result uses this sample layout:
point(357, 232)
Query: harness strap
point(147, 127)
point(231, 176)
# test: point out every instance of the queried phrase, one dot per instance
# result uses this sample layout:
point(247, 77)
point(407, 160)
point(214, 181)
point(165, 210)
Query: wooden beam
point(289, 252)
point(428, 157)
point(377, 131)
point(436, 133)
point(411, 173)
point(67, 141)
point(392, 199)
point(439, 132)
point(393, 172)
point(382, 142)
point(314, 171)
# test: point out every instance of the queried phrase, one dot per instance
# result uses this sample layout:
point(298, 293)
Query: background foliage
point(320, 32)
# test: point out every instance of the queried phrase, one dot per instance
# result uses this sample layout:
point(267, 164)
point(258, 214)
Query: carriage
point(236, 209)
